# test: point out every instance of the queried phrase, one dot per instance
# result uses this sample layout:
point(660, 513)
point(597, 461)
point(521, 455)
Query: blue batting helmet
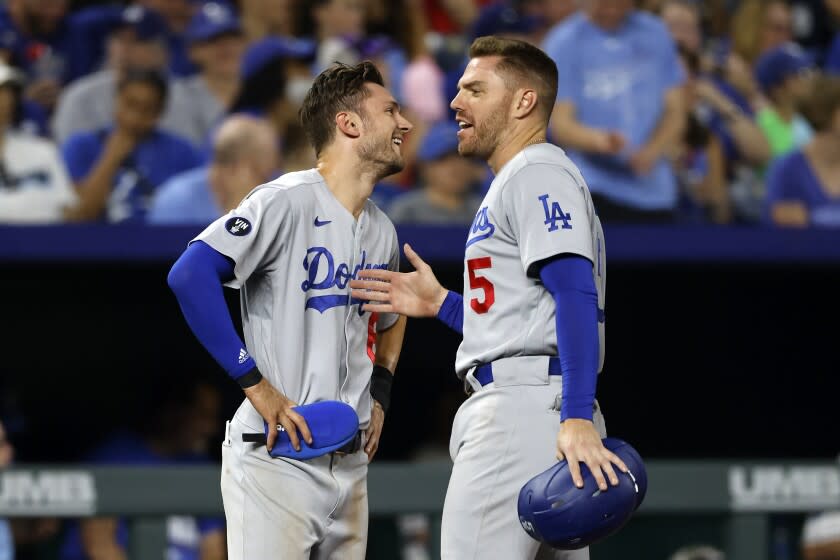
point(553, 510)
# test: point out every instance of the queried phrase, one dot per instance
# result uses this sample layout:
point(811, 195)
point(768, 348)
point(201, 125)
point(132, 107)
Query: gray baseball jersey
point(296, 249)
point(538, 206)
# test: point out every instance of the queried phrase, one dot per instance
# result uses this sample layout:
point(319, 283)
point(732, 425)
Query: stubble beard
point(378, 156)
point(485, 137)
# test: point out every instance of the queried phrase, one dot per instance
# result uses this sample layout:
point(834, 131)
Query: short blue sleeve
point(80, 153)
point(783, 182)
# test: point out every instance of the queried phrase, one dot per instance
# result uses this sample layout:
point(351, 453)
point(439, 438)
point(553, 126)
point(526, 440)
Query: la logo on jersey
point(482, 227)
point(554, 214)
point(238, 226)
point(322, 273)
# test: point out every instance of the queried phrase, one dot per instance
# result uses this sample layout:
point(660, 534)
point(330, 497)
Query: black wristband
point(380, 386)
point(250, 379)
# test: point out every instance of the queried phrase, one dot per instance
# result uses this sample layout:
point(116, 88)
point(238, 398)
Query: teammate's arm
point(568, 278)
point(388, 348)
point(196, 279)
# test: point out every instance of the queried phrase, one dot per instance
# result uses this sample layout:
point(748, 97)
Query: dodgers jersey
point(538, 206)
point(296, 248)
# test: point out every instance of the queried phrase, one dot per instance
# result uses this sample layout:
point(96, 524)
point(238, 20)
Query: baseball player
point(531, 314)
point(290, 248)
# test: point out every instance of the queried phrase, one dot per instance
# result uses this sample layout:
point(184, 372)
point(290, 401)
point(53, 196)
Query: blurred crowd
point(170, 111)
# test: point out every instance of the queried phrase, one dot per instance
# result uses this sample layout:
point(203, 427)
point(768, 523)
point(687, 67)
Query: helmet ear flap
point(554, 511)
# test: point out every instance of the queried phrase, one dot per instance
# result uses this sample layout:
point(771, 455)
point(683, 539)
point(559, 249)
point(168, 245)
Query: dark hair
point(151, 78)
point(338, 88)
point(691, 59)
point(263, 89)
point(821, 104)
point(521, 62)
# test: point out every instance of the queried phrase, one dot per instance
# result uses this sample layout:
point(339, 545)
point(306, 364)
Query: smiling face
point(383, 131)
point(482, 108)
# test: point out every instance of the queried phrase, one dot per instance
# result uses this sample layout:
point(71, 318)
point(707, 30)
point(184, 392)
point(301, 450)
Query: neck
point(514, 143)
point(349, 183)
point(786, 109)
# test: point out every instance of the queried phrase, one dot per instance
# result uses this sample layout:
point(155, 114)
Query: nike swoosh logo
point(319, 223)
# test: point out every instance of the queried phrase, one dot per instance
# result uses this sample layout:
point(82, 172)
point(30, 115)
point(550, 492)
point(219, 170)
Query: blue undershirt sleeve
point(569, 280)
point(451, 312)
point(196, 279)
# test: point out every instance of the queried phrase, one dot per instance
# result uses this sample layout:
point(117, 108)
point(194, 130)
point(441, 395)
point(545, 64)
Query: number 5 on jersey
point(481, 283)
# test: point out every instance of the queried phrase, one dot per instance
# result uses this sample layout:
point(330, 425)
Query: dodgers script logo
point(324, 274)
point(482, 228)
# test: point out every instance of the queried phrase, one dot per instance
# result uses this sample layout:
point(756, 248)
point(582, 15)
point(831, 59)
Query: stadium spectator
point(37, 37)
point(137, 42)
point(177, 15)
point(548, 13)
point(448, 194)
point(274, 81)
point(34, 186)
point(821, 537)
point(617, 113)
point(262, 18)
point(118, 168)
point(803, 188)
point(216, 45)
point(784, 74)
point(174, 431)
point(699, 160)
point(337, 26)
point(244, 156)
point(759, 26)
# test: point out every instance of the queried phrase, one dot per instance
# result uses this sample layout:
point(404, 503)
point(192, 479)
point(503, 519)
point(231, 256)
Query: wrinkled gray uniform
point(296, 249)
point(538, 206)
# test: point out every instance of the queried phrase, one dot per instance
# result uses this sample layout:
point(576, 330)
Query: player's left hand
point(642, 162)
point(374, 431)
point(579, 442)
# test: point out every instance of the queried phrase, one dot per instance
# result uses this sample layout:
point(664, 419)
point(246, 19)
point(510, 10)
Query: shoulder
point(565, 32)
point(544, 161)
point(77, 90)
point(184, 183)
point(87, 139)
point(379, 218)
point(172, 141)
point(294, 189)
point(33, 145)
point(787, 164)
point(646, 22)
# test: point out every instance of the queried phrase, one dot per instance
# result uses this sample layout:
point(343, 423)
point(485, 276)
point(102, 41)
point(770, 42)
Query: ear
point(525, 103)
point(348, 123)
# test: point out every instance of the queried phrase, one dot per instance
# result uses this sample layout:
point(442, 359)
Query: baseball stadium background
point(722, 312)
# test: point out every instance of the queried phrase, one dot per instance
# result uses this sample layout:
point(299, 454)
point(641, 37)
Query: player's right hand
point(579, 442)
point(276, 410)
point(414, 294)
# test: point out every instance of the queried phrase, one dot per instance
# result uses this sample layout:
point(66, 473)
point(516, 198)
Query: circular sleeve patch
point(238, 226)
